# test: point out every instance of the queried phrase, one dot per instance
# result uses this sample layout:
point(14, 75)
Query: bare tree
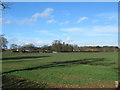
point(14, 46)
point(3, 5)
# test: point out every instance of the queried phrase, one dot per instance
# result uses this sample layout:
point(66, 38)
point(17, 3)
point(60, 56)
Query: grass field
point(61, 70)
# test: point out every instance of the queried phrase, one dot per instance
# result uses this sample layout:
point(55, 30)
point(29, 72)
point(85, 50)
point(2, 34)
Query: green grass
point(95, 70)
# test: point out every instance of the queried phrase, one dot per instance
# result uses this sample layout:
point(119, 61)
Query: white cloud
point(37, 42)
point(43, 31)
point(7, 22)
point(99, 34)
point(46, 32)
point(23, 41)
point(95, 43)
point(27, 20)
point(72, 30)
point(40, 43)
point(0, 21)
point(82, 19)
point(95, 21)
point(68, 39)
point(23, 21)
point(52, 21)
point(12, 40)
point(46, 13)
point(65, 22)
point(105, 31)
point(105, 28)
point(109, 15)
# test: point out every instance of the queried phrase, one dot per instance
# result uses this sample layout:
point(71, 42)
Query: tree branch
point(3, 5)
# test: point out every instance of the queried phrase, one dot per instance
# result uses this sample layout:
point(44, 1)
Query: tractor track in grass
point(89, 61)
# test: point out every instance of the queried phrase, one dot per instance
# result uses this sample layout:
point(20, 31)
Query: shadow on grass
point(10, 82)
point(24, 57)
point(20, 61)
point(89, 61)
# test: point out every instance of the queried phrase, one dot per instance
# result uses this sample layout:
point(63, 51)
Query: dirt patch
point(16, 82)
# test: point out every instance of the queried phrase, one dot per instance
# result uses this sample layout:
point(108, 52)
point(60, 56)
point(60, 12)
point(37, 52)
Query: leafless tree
point(3, 5)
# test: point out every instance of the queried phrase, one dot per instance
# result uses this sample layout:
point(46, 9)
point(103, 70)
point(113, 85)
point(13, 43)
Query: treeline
point(99, 49)
point(61, 47)
point(58, 46)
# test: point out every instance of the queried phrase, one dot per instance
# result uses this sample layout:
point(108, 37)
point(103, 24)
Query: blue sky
point(81, 23)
